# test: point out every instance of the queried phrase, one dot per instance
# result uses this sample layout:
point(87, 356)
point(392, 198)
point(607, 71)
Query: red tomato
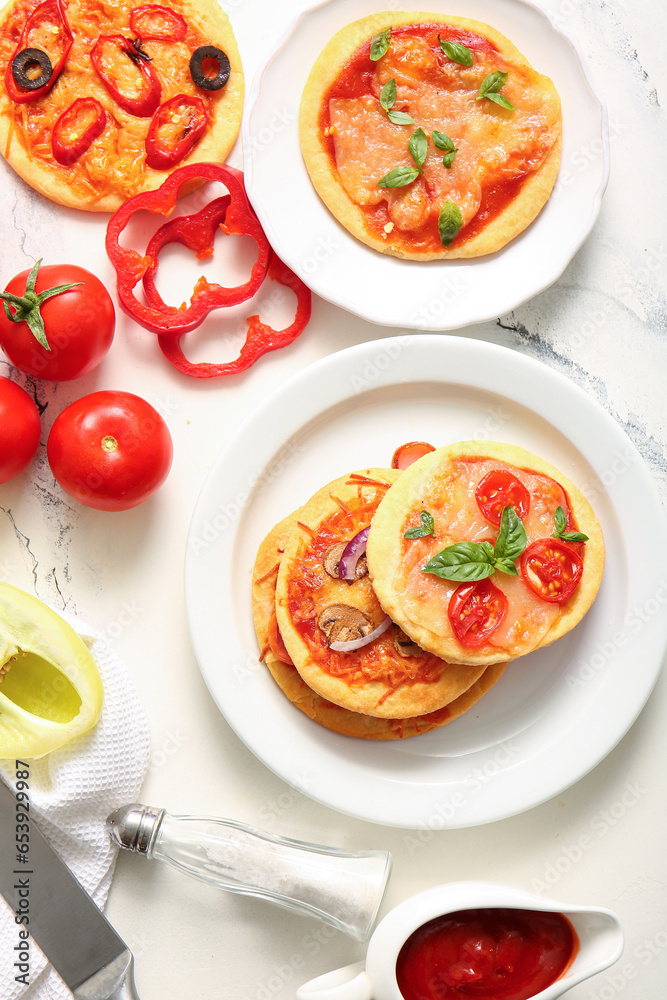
point(475, 611)
point(20, 428)
point(79, 325)
point(552, 569)
point(110, 450)
point(408, 453)
point(499, 489)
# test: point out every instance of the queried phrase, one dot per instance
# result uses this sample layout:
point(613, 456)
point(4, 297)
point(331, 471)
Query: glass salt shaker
point(343, 889)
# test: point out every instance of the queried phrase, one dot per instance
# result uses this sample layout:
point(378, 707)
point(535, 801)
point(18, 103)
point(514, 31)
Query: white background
point(602, 324)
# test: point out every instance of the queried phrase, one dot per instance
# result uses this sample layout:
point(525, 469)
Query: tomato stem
point(109, 443)
point(28, 305)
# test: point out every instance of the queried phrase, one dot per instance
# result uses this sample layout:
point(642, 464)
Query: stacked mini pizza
point(392, 601)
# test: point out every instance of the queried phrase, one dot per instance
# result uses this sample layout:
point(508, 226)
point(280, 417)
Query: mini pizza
point(341, 642)
point(483, 552)
point(429, 137)
point(325, 713)
point(102, 101)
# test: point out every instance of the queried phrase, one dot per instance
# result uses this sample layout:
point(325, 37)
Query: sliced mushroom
point(404, 645)
point(332, 558)
point(342, 623)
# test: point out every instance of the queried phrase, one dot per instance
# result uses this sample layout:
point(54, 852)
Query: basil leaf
point(448, 159)
point(463, 562)
point(442, 141)
point(456, 52)
point(418, 146)
point(512, 538)
point(380, 44)
point(427, 527)
point(450, 221)
point(388, 94)
point(499, 99)
point(398, 177)
point(400, 118)
point(561, 524)
point(490, 86)
point(506, 566)
point(492, 83)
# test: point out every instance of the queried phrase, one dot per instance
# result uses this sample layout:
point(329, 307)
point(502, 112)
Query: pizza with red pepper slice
point(483, 552)
point(102, 101)
point(334, 717)
point(429, 137)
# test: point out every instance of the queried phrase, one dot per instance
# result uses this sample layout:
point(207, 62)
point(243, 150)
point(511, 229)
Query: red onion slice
point(352, 553)
point(346, 647)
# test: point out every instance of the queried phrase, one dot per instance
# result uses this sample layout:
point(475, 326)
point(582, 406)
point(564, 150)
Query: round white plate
point(433, 295)
point(554, 714)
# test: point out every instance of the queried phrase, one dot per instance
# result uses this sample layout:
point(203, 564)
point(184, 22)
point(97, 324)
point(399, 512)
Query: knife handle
point(343, 889)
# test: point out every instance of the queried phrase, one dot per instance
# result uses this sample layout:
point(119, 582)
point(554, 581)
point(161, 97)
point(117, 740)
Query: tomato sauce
point(498, 954)
point(355, 80)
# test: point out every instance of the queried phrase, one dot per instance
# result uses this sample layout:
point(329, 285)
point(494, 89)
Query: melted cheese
point(493, 143)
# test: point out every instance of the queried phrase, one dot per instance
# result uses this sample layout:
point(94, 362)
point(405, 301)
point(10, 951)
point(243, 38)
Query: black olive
point(198, 75)
point(23, 61)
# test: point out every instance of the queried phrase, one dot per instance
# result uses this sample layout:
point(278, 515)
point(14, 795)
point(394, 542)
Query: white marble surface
point(603, 325)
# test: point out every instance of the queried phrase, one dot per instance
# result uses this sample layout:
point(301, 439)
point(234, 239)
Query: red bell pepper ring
point(163, 147)
point(131, 266)
point(75, 130)
point(154, 23)
point(196, 232)
point(260, 338)
point(142, 105)
point(36, 36)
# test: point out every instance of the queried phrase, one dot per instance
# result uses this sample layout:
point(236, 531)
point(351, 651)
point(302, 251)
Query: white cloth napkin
point(72, 791)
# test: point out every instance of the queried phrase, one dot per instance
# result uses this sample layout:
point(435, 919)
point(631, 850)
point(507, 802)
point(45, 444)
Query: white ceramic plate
point(554, 714)
point(435, 295)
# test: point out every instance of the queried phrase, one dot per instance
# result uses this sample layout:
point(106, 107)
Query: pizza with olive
point(484, 552)
point(428, 136)
point(101, 101)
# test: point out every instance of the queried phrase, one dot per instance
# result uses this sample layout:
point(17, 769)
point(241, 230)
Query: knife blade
point(51, 904)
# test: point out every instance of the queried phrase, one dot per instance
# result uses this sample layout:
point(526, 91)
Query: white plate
point(554, 714)
point(435, 295)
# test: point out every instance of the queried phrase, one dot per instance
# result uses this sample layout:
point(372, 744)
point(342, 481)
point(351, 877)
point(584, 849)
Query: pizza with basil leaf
point(429, 136)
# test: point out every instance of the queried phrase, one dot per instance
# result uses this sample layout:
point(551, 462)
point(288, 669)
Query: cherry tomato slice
point(475, 611)
point(552, 569)
point(499, 489)
point(408, 453)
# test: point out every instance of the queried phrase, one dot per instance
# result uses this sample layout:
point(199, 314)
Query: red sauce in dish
point(498, 954)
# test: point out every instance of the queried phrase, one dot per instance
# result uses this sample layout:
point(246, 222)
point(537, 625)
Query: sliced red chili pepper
point(196, 232)
point(144, 104)
point(152, 22)
point(260, 338)
point(76, 129)
point(46, 29)
point(175, 128)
